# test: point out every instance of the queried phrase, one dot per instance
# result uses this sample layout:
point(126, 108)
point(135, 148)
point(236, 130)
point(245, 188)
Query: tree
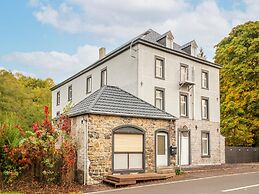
point(238, 53)
point(201, 54)
point(22, 98)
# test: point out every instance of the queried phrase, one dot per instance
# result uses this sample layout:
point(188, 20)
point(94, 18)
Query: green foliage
point(239, 79)
point(23, 98)
point(178, 171)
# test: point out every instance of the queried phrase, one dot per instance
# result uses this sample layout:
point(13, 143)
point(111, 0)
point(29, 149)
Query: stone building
point(124, 134)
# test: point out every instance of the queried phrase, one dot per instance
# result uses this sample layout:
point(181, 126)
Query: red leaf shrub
point(39, 145)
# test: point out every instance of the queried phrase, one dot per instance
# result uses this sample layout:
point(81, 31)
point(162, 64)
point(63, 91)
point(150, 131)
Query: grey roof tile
point(112, 100)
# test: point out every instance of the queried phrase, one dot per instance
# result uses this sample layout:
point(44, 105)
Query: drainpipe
point(85, 121)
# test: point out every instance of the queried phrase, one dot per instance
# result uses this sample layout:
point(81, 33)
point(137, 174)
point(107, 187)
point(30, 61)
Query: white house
point(154, 68)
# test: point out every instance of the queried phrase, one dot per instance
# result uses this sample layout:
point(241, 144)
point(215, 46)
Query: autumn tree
point(238, 53)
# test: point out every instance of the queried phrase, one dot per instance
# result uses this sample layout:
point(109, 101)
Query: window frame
point(187, 67)
point(187, 104)
point(207, 100)
point(58, 98)
point(163, 67)
point(104, 70)
point(69, 98)
point(208, 140)
point(87, 89)
point(207, 81)
point(128, 129)
point(163, 97)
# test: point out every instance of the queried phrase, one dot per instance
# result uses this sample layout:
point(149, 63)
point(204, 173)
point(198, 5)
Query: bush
point(45, 145)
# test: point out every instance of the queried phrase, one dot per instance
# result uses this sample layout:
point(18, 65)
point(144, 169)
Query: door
point(184, 148)
point(161, 149)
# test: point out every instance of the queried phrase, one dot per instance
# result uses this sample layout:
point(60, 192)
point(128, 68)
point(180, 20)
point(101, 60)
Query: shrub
point(178, 171)
point(41, 146)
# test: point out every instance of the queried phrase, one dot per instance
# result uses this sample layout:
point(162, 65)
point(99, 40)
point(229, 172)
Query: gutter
point(85, 123)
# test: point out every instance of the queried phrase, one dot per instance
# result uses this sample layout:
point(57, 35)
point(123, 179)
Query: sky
point(54, 38)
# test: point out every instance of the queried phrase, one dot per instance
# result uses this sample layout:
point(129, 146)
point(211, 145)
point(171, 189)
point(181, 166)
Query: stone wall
point(100, 142)
point(217, 141)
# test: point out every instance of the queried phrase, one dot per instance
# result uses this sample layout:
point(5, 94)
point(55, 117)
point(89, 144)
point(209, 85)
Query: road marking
point(174, 182)
point(240, 188)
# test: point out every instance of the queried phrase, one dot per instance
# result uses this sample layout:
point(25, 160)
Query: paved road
point(242, 183)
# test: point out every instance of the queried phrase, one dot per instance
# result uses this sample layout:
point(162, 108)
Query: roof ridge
point(97, 98)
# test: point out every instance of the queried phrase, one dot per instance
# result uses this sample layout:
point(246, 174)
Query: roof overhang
point(120, 115)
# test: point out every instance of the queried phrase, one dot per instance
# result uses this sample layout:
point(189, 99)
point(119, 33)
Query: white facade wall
point(121, 71)
point(147, 83)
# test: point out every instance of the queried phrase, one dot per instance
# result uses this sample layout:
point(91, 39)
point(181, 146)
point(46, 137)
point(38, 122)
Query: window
point(205, 108)
point(128, 147)
point(70, 93)
point(205, 148)
point(183, 105)
point(205, 79)
point(103, 77)
point(159, 99)
point(184, 73)
point(89, 84)
point(159, 68)
point(58, 98)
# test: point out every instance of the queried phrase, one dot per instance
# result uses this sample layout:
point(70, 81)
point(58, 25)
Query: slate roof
point(153, 36)
point(111, 100)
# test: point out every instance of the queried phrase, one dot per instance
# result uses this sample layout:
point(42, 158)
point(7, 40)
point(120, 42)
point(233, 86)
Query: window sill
point(161, 78)
point(205, 156)
point(181, 116)
point(204, 88)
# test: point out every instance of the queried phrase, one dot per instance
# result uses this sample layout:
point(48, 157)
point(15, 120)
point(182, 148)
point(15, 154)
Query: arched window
point(128, 148)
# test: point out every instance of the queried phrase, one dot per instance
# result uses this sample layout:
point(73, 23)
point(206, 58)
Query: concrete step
point(166, 170)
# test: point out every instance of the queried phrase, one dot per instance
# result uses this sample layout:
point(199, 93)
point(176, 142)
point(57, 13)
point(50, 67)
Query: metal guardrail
point(241, 154)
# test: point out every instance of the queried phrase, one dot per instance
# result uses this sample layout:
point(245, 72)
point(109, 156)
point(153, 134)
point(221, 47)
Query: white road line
point(173, 182)
point(240, 188)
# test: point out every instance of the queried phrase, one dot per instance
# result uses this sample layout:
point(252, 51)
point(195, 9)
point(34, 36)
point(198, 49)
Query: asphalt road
point(242, 183)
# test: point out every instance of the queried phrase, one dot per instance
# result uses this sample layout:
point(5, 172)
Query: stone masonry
point(100, 142)
point(217, 141)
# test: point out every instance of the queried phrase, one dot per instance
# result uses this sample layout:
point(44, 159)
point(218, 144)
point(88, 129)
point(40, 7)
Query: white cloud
point(116, 19)
point(14, 71)
point(54, 64)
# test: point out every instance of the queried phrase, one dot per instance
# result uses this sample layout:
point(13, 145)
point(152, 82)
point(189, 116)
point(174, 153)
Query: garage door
point(128, 152)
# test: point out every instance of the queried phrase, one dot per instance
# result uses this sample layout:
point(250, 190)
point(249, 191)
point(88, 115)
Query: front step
point(166, 170)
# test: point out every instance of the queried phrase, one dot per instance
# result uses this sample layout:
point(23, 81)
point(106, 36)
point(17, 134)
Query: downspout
point(85, 149)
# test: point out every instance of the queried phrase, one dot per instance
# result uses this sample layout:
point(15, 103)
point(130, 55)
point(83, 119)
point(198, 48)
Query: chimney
point(102, 53)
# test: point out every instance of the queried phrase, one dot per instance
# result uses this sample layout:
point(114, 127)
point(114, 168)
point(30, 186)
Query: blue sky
point(45, 38)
